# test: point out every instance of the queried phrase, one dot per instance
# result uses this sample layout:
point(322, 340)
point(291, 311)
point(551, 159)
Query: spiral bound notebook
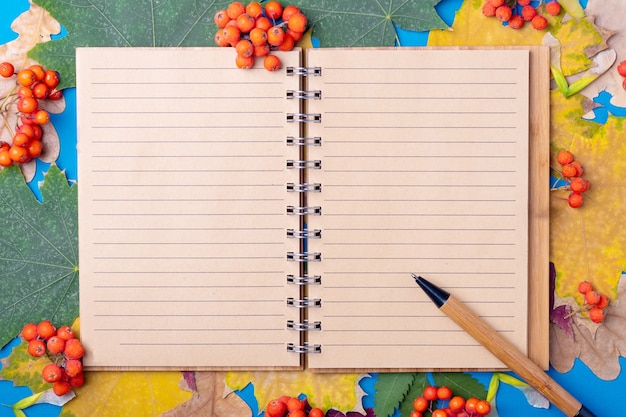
point(246, 219)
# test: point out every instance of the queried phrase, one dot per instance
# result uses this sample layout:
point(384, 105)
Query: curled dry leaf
point(209, 399)
point(33, 26)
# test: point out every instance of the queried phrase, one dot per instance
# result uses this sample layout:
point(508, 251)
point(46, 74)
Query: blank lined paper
point(182, 167)
point(425, 170)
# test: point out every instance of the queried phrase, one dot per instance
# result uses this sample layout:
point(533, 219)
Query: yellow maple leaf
point(586, 243)
point(339, 391)
point(116, 394)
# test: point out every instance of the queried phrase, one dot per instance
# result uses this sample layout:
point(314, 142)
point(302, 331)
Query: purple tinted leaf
point(562, 317)
point(552, 284)
point(190, 379)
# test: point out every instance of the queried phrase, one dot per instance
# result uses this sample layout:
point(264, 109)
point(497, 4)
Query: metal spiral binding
point(304, 234)
point(304, 187)
point(304, 164)
point(299, 141)
point(304, 94)
point(304, 302)
point(304, 71)
point(305, 279)
point(304, 256)
point(304, 210)
point(305, 326)
point(306, 348)
point(304, 118)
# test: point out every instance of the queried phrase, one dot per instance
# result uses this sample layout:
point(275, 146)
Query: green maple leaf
point(367, 22)
point(391, 390)
point(38, 252)
point(177, 23)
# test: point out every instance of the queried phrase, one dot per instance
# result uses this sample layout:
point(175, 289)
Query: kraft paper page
point(424, 169)
point(182, 209)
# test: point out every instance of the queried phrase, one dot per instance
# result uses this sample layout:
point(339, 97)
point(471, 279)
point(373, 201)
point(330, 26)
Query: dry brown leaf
point(33, 26)
point(599, 351)
point(610, 15)
point(209, 399)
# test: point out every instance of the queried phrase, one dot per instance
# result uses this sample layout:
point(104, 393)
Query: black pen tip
point(435, 293)
point(584, 412)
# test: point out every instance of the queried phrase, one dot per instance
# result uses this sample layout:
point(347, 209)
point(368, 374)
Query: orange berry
point(539, 22)
point(78, 380)
point(244, 62)
point(74, 349)
point(52, 373)
point(51, 79)
point(578, 167)
point(496, 3)
point(275, 408)
point(523, 2)
point(584, 287)
point(297, 413)
point(470, 404)
point(5, 158)
point(27, 104)
point(516, 22)
point(439, 413)
point(444, 393)
point(489, 10)
point(20, 139)
point(29, 332)
point(73, 367)
point(288, 43)
point(528, 12)
point(61, 388)
point(553, 8)
point(596, 315)
point(263, 23)
point(565, 157)
point(579, 185)
point(245, 22)
point(26, 78)
point(36, 348)
point(483, 408)
point(220, 39)
point(42, 117)
point(592, 297)
point(504, 13)
point(39, 72)
point(24, 91)
point(569, 171)
point(66, 333)
point(275, 35)
point(37, 132)
point(244, 48)
point(297, 22)
point(273, 10)
point(261, 50)
point(55, 345)
point(420, 404)
point(7, 69)
point(235, 9)
point(221, 18)
point(254, 9)
point(28, 130)
point(316, 412)
point(296, 36)
point(621, 68)
point(272, 63)
point(46, 329)
point(457, 404)
point(430, 393)
point(40, 90)
point(604, 301)
point(575, 200)
point(231, 34)
point(258, 36)
point(295, 404)
point(289, 11)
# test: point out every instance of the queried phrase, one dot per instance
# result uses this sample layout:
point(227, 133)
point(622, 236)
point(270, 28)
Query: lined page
point(425, 170)
point(182, 209)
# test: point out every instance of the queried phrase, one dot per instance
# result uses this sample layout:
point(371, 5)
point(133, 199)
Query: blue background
point(598, 395)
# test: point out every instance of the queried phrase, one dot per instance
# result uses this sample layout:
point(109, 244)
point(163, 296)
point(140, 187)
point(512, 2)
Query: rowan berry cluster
point(287, 406)
point(595, 302)
point(33, 85)
point(255, 31)
point(441, 402)
point(621, 70)
point(64, 350)
point(516, 13)
point(572, 171)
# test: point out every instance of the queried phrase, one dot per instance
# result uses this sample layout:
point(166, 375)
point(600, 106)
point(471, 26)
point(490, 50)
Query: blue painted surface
point(598, 395)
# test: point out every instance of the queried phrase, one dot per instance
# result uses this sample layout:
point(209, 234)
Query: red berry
point(74, 349)
point(596, 315)
point(444, 393)
point(46, 329)
point(592, 298)
point(61, 388)
point(489, 9)
point(565, 157)
point(51, 373)
point(621, 68)
point(457, 404)
point(575, 200)
point(36, 348)
point(528, 13)
point(584, 287)
point(7, 69)
point(553, 8)
point(29, 332)
point(504, 13)
point(430, 393)
point(579, 185)
point(516, 22)
point(483, 408)
point(420, 404)
point(539, 22)
point(55, 345)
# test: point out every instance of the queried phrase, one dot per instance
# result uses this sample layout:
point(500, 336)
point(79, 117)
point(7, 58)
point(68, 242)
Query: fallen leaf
point(39, 261)
point(23, 369)
point(339, 391)
point(209, 399)
point(33, 26)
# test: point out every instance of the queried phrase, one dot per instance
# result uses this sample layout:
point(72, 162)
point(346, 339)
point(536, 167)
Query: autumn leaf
point(339, 391)
point(209, 399)
point(33, 26)
point(38, 252)
point(23, 369)
point(367, 23)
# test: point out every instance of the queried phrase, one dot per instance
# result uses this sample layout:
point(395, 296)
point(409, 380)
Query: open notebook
point(246, 219)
